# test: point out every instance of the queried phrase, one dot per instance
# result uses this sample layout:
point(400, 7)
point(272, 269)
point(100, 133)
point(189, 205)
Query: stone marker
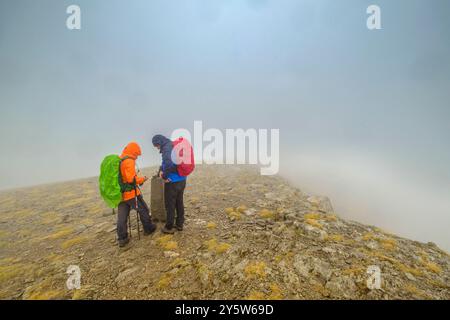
point(157, 206)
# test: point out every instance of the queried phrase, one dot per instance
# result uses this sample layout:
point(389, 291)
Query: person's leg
point(144, 215)
point(123, 211)
point(170, 201)
point(180, 204)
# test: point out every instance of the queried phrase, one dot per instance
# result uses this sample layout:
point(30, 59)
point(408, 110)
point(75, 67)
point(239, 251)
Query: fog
point(365, 189)
point(363, 115)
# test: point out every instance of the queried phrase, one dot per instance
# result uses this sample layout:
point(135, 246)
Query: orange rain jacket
point(127, 169)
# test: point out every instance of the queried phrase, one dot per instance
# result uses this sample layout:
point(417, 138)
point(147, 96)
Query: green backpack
point(110, 181)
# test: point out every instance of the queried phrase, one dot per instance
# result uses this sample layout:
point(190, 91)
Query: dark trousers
point(123, 212)
point(173, 197)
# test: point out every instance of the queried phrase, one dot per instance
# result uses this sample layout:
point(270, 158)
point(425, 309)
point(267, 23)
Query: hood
point(132, 150)
point(160, 140)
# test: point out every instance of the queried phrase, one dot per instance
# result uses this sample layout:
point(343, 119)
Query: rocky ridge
point(246, 236)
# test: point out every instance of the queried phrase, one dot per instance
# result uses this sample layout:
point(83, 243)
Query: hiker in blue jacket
point(174, 185)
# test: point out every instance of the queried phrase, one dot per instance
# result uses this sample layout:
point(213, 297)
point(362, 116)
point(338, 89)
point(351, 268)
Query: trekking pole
point(137, 212)
point(129, 224)
point(137, 221)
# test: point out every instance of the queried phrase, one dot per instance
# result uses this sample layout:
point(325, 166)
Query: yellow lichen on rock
point(275, 292)
point(256, 295)
point(255, 269)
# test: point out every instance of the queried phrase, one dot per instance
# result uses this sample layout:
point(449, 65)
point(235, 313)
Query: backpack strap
point(125, 187)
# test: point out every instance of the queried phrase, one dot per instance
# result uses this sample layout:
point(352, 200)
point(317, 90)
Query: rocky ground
point(246, 237)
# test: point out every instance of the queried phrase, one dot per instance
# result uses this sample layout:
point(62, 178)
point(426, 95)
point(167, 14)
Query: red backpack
point(184, 156)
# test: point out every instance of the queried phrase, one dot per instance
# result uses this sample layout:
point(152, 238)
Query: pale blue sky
point(310, 68)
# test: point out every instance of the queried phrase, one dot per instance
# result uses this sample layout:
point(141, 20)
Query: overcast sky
point(363, 115)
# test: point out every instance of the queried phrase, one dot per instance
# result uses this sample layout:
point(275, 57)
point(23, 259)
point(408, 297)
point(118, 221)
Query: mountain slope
point(246, 236)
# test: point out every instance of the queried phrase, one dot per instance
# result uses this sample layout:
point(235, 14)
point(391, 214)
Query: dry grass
point(11, 271)
point(266, 214)
point(213, 246)
point(397, 264)
point(195, 200)
point(368, 236)
point(256, 295)
point(241, 209)
point(354, 270)
point(314, 223)
point(171, 245)
point(43, 291)
point(330, 217)
point(179, 262)
point(335, 238)
point(234, 215)
point(164, 281)
point(388, 244)
point(164, 239)
point(430, 266)
point(211, 225)
point(412, 289)
point(312, 216)
point(59, 234)
point(319, 288)
point(275, 292)
point(166, 242)
point(72, 242)
point(47, 295)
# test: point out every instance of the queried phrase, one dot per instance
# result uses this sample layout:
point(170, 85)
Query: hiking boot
point(123, 242)
point(149, 232)
point(179, 228)
point(168, 231)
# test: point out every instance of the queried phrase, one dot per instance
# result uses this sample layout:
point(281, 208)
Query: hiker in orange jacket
point(132, 197)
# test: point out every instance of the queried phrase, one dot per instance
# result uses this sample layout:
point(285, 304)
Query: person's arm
point(167, 166)
point(129, 172)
